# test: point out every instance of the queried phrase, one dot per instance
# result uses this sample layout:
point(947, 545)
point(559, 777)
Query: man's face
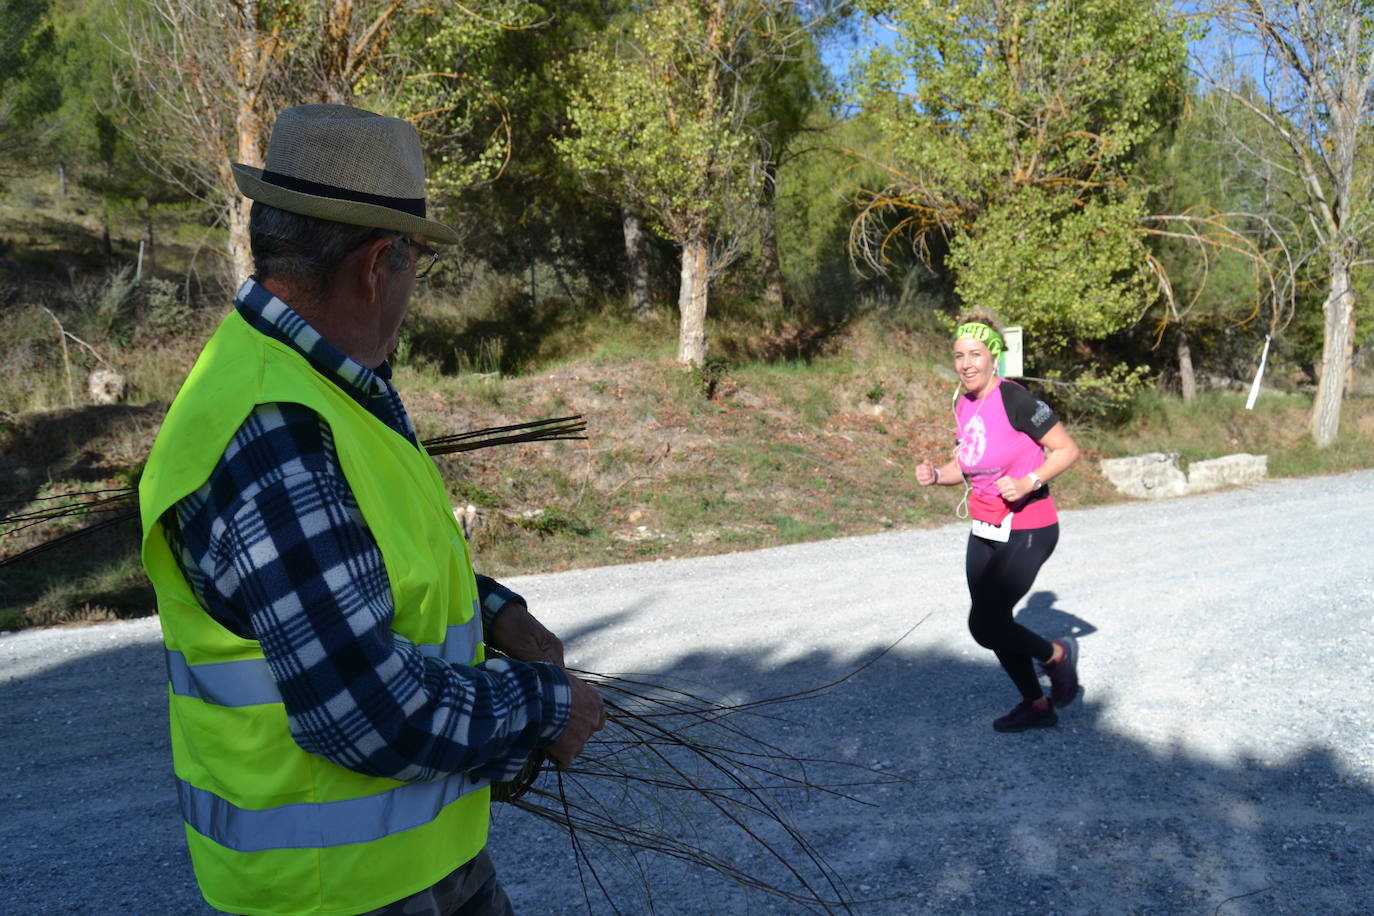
point(398, 286)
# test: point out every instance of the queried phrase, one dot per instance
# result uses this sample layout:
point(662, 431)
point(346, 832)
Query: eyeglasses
point(425, 258)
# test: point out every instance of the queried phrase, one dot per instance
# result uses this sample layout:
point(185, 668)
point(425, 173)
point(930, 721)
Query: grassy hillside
point(759, 450)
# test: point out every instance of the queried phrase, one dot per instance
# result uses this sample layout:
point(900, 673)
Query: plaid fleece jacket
point(276, 550)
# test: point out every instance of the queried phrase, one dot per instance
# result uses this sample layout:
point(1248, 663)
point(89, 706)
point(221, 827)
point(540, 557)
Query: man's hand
point(926, 474)
point(515, 633)
point(588, 715)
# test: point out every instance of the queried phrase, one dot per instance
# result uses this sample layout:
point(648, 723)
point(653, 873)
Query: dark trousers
point(469, 890)
point(999, 575)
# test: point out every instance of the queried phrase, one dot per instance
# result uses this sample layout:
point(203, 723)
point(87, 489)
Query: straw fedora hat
point(347, 165)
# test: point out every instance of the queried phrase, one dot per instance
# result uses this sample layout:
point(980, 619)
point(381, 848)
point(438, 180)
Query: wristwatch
point(1036, 482)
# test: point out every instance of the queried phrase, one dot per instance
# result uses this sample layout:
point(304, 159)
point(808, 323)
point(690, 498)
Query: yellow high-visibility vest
point(274, 830)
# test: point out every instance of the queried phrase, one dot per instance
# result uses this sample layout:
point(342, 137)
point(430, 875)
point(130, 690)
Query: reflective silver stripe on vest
point(250, 683)
point(319, 825)
point(243, 683)
point(460, 642)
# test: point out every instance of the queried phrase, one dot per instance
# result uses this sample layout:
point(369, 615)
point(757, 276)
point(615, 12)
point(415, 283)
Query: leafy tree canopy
point(29, 38)
point(1015, 127)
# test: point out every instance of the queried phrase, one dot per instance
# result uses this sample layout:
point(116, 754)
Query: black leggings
point(999, 575)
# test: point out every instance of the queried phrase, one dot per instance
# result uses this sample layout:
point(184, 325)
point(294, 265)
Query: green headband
point(983, 333)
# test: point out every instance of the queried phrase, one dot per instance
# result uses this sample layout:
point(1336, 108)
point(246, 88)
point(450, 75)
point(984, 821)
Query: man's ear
point(371, 259)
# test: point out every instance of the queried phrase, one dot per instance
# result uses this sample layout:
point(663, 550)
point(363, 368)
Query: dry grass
point(782, 453)
point(760, 451)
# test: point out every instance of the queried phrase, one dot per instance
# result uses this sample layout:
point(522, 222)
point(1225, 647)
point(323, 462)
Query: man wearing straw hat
point(334, 723)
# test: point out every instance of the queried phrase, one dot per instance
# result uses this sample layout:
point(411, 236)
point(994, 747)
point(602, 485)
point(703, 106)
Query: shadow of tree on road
point(1076, 819)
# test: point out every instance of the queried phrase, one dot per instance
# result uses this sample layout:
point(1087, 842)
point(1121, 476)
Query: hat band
point(415, 206)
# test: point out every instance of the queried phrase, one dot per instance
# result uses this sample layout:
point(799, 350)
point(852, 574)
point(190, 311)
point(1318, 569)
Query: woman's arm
point(1061, 451)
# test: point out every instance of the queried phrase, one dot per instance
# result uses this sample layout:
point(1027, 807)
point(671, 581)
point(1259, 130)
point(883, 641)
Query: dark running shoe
point(1064, 673)
point(1026, 715)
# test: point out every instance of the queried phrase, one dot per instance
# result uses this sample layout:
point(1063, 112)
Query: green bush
point(1093, 395)
point(25, 194)
point(164, 313)
point(104, 306)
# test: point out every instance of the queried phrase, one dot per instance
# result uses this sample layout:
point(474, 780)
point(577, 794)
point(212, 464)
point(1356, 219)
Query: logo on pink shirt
point(973, 443)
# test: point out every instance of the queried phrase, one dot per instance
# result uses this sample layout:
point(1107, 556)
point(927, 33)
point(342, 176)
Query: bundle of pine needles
point(679, 776)
point(556, 428)
point(114, 506)
point(109, 507)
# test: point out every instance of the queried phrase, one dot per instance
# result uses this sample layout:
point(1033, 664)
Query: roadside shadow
point(84, 444)
point(1077, 819)
point(91, 449)
point(96, 725)
point(573, 636)
point(106, 553)
point(938, 814)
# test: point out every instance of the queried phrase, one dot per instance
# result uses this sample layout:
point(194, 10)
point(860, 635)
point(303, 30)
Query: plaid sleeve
point(297, 558)
point(493, 596)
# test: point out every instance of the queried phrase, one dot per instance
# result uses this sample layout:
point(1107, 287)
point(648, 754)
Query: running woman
point(1010, 446)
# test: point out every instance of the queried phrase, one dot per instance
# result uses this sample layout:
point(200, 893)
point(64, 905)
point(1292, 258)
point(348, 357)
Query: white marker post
point(1010, 363)
point(1259, 373)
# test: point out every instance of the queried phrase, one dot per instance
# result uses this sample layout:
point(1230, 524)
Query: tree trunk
point(338, 53)
point(691, 301)
point(640, 305)
point(1186, 377)
point(251, 139)
point(1339, 310)
point(1350, 354)
point(768, 240)
point(147, 262)
point(240, 252)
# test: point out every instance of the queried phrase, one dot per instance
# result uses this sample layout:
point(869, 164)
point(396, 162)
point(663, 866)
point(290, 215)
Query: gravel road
point(1220, 759)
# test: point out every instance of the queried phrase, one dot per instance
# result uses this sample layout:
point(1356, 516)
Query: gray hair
point(306, 249)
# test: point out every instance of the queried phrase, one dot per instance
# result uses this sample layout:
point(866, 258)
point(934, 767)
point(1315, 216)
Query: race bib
point(990, 532)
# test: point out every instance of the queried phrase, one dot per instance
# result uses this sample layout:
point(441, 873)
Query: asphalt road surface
point(1220, 759)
